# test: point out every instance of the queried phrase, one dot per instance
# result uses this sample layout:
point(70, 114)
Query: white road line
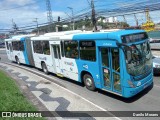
point(157, 86)
point(2, 49)
point(71, 92)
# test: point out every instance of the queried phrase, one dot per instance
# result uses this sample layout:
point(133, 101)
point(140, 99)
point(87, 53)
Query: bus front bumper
point(129, 92)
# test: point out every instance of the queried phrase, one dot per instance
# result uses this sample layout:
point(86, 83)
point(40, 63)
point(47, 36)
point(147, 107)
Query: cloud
point(24, 16)
point(17, 2)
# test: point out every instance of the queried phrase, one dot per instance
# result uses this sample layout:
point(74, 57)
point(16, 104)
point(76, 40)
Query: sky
point(24, 12)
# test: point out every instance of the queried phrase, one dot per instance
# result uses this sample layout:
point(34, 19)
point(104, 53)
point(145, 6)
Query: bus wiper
point(123, 44)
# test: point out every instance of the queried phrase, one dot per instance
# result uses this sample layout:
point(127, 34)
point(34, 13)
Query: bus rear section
point(19, 49)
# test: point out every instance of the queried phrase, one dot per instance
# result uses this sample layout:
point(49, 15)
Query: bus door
point(57, 59)
point(110, 64)
point(11, 57)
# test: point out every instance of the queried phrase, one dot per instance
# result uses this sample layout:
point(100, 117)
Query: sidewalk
point(53, 96)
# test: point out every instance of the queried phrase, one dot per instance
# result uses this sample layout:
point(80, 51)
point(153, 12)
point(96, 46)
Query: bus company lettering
point(69, 63)
point(107, 44)
point(42, 58)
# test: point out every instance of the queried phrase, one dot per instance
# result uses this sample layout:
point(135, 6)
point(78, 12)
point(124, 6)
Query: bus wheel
point(17, 61)
point(44, 67)
point(89, 82)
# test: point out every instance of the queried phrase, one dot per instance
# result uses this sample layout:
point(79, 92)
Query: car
point(2, 45)
point(155, 44)
point(156, 65)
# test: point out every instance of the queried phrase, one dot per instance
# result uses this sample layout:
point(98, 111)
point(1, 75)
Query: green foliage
point(11, 99)
point(87, 22)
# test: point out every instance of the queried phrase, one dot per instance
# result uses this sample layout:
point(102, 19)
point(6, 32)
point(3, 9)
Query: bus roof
point(85, 35)
point(56, 35)
point(63, 33)
point(20, 37)
point(104, 35)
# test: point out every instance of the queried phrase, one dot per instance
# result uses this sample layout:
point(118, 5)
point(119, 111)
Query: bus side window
point(115, 60)
point(71, 49)
point(21, 45)
point(55, 52)
point(88, 50)
point(116, 67)
point(62, 48)
point(105, 61)
point(46, 48)
point(37, 47)
point(15, 45)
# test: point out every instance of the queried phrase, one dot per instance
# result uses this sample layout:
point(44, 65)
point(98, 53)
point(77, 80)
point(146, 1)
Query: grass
point(11, 99)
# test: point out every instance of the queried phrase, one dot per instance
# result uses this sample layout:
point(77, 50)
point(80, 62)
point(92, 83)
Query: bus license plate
point(146, 85)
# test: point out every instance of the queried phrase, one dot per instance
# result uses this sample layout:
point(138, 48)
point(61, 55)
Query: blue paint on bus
point(23, 39)
point(109, 40)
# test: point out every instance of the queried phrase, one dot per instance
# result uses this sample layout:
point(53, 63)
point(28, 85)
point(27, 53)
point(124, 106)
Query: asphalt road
point(148, 100)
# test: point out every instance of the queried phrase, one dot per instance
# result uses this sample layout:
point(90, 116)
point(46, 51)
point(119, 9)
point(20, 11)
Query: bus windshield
point(138, 58)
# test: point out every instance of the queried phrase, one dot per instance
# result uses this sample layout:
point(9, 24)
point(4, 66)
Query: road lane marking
point(157, 86)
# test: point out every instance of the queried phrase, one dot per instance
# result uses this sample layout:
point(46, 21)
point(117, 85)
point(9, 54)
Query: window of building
point(71, 49)
point(88, 50)
point(46, 48)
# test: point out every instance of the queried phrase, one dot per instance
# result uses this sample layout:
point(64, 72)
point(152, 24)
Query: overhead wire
point(100, 11)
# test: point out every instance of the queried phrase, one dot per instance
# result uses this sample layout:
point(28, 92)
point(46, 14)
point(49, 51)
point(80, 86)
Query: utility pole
point(94, 22)
point(37, 25)
point(136, 19)
point(49, 14)
point(72, 16)
point(15, 28)
point(124, 20)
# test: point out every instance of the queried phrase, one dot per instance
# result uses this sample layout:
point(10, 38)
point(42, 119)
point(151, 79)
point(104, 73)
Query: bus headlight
point(131, 84)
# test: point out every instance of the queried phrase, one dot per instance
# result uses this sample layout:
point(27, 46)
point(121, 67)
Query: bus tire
point(89, 82)
point(44, 68)
point(17, 60)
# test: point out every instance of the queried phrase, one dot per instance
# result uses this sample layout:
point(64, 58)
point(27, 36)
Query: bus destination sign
point(134, 37)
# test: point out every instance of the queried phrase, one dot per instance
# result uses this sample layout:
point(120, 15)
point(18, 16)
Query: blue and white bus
point(18, 49)
point(119, 61)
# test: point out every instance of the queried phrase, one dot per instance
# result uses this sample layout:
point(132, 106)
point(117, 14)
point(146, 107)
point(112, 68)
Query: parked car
point(2, 45)
point(156, 65)
point(155, 44)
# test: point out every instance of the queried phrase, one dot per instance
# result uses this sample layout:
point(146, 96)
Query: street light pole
point(37, 25)
point(72, 16)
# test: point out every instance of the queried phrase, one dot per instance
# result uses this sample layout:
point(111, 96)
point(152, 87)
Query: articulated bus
point(119, 61)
